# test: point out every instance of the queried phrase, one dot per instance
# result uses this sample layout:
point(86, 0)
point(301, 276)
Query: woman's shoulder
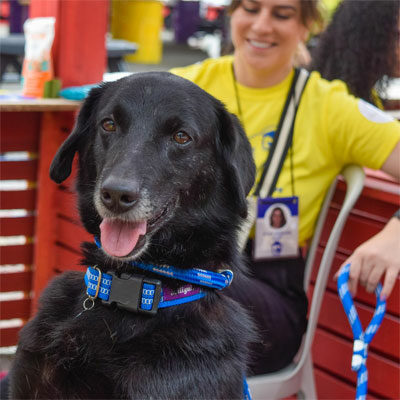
point(322, 86)
point(324, 96)
point(353, 130)
point(334, 97)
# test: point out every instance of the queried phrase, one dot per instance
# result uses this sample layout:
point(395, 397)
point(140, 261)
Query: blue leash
point(361, 338)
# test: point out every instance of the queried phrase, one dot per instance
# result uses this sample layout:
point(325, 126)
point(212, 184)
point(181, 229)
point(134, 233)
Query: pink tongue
point(120, 238)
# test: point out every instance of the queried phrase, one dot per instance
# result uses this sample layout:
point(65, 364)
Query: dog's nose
point(117, 196)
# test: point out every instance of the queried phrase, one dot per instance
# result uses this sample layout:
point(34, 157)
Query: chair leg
point(307, 390)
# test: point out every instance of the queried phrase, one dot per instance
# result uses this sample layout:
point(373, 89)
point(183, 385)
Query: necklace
point(240, 116)
point(237, 98)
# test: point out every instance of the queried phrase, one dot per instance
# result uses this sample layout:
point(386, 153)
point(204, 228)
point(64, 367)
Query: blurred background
point(142, 35)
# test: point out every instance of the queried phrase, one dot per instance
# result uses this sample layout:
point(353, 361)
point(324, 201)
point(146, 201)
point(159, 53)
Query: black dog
point(164, 171)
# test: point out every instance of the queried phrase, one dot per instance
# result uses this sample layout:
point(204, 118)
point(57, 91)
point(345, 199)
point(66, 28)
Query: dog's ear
point(235, 151)
point(60, 168)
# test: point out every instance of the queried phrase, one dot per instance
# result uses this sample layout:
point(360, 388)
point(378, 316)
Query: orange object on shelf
point(37, 67)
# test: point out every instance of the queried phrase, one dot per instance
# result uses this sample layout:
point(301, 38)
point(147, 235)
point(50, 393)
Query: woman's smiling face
point(266, 33)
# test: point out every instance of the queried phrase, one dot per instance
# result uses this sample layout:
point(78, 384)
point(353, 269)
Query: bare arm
point(392, 164)
point(380, 255)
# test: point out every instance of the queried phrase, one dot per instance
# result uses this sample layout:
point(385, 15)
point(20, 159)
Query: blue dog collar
point(197, 276)
point(137, 293)
point(361, 339)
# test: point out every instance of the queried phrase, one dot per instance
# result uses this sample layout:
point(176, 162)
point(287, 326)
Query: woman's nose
point(262, 22)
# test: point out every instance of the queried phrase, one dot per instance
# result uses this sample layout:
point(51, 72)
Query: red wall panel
point(17, 281)
point(17, 226)
point(334, 354)
point(15, 309)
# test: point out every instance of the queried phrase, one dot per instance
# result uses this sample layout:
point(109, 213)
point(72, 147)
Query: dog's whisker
point(113, 335)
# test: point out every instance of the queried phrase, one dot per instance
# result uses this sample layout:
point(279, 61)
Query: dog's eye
point(108, 125)
point(182, 137)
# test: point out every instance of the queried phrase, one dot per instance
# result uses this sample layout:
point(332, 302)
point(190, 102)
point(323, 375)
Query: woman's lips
point(260, 45)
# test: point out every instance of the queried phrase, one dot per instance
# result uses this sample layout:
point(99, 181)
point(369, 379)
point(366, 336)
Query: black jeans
point(275, 298)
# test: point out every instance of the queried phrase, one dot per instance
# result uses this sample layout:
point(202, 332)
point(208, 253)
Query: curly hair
point(359, 46)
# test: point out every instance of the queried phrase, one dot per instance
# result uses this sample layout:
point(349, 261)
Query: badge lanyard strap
point(361, 338)
point(289, 96)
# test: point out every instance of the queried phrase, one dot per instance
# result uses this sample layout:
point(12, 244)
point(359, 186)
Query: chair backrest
point(354, 177)
point(298, 376)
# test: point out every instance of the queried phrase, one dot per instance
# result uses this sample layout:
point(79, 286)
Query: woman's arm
point(392, 164)
point(379, 255)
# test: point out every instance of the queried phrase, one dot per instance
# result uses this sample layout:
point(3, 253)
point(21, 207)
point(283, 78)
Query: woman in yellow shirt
point(331, 129)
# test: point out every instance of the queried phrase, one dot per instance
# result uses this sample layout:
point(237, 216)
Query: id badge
point(277, 228)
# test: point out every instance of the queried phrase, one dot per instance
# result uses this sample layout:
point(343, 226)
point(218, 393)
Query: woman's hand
point(376, 257)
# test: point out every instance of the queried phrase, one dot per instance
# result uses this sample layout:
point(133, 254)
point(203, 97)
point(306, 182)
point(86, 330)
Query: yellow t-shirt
point(332, 129)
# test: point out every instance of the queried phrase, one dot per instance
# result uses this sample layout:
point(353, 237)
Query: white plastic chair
point(298, 377)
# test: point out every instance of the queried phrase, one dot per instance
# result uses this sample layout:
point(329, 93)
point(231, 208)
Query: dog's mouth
point(121, 238)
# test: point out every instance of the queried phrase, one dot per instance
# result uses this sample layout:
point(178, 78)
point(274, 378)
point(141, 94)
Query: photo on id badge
point(277, 233)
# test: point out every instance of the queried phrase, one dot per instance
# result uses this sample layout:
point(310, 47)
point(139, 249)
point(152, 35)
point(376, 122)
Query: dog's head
point(163, 168)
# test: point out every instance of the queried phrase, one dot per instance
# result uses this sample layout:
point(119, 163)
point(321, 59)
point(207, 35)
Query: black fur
point(195, 350)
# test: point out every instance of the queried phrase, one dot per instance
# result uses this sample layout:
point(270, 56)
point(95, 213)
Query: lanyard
point(283, 136)
point(361, 338)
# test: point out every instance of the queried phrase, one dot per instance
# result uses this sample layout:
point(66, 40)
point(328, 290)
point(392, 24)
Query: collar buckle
point(135, 293)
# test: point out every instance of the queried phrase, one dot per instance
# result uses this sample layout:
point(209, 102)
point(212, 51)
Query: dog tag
point(277, 228)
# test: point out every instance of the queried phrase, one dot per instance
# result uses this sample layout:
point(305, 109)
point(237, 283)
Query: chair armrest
point(354, 176)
